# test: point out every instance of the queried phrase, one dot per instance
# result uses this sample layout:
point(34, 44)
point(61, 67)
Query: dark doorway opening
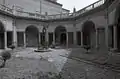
point(86, 37)
point(118, 34)
point(50, 38)
point(78, 38)
point(9, 38)
point(63, 39)
point(2, 40)
point(32, 36)
point(60, 35)
point(20, 39)
point(88, 30)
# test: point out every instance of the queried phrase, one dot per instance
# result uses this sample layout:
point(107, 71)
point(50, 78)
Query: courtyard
point(30, 34)
point(72, 63)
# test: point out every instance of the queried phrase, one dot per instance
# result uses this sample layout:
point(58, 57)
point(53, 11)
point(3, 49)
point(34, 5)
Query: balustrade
point(57, 16)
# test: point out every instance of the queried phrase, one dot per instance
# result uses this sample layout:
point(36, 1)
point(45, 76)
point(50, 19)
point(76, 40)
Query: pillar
point(47, 36)
point(67, 39)
point(74, 36)
point(53, 38)
point(115, 37)
point(106, 36)
point(81, 38)
point(14, 36)
point(96, 38)
point(5, 38)
point(24, 39)
point(39, 39)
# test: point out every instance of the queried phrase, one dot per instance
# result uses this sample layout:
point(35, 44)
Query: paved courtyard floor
point(71, 63)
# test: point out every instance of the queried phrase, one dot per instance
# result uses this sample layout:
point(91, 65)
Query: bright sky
point(78, 4)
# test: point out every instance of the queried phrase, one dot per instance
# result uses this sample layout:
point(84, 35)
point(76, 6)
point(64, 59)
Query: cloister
point(96, 25)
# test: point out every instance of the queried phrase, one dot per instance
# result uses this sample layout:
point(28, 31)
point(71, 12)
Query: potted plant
point(5, 55)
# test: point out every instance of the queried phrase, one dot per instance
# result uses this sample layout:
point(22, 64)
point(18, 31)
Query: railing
point(90, 7)
point(29, 15)
point(70, 15)
point(60, 16)
point(57, 16)
point(6, 9)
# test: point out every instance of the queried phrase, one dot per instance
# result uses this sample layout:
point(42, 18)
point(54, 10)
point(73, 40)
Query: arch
point(117, 14)
point(2, 28)
point(32, 39)
point(2, 37)
point(88, 30)
point(88, 26)
point(60, 35)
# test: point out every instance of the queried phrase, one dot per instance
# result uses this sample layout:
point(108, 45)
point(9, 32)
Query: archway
point(60, 35)
point(32, 36)
point(2, 42)
point(88, 30)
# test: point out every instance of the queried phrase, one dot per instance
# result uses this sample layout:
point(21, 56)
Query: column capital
point(46, 25)
point(96, 29)
point(114, 25)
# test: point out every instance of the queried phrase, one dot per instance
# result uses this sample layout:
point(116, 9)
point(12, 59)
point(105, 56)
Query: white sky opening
point(78, 4)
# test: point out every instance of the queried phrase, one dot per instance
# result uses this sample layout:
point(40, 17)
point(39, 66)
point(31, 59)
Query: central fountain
point(44, 46)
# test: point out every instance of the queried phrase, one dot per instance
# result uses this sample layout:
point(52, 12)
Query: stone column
point(115, 36)
point(24, 39)
point(96, 38)
point(14, 36)
point(39, 39)
point(53, 37)
point(14, 41)
point(67, 39)
point(106, 36)
point(74, 36)
point(47, 36)
point(81, 38)
point(5, 38)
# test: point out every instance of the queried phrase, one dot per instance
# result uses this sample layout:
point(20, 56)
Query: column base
point(81, 46)
point(114, 50)
point(24, 46)
point(6, 48)
point(97, 47)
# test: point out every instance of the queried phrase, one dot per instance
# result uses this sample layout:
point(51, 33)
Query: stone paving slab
point(27, 64)
point(24, 67)
point(100, 57)
point(82, 70)
point(53, 56)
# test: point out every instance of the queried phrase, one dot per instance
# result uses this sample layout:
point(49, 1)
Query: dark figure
point(87, 47)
